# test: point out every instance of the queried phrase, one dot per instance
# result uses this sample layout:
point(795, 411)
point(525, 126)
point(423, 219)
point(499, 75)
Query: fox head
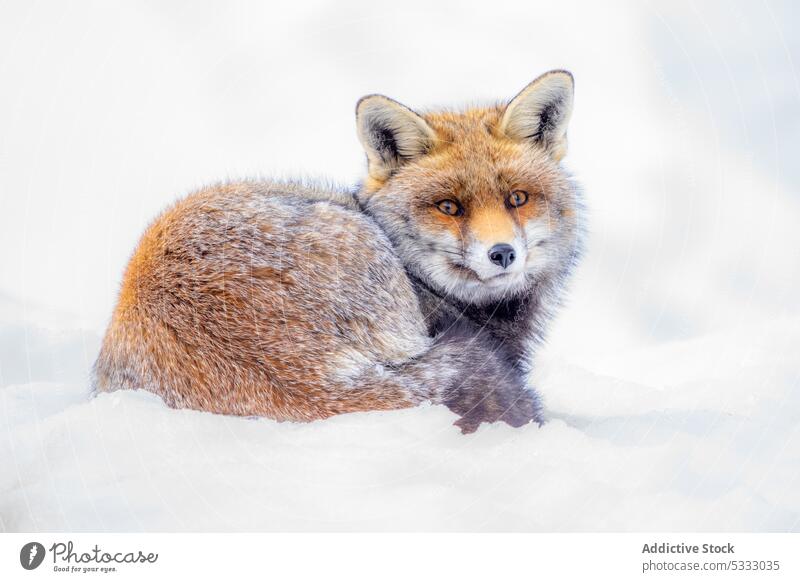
point(475, 202)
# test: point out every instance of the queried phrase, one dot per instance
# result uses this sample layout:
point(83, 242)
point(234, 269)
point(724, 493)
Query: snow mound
point(698, 435)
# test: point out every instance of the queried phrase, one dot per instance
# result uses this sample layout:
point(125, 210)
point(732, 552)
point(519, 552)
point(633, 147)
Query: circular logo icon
point(31, 555)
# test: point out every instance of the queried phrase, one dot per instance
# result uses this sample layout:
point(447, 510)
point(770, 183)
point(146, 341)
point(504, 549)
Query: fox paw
point(516, 408)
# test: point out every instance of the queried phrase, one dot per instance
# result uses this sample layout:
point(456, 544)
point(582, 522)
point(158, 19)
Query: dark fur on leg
point(491, 388)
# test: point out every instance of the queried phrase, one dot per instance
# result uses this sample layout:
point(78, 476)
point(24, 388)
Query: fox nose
point(502, 255)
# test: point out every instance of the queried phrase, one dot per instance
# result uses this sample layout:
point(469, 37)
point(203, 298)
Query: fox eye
point(450, 207)
point(517, 198)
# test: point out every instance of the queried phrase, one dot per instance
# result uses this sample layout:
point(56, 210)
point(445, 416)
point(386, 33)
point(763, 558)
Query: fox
point(433, 280)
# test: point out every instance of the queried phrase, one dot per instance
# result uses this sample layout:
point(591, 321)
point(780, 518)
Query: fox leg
point(464, 369)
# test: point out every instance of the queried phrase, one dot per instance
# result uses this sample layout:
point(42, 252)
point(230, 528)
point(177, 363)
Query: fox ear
point(541, 112)
point(391, 134)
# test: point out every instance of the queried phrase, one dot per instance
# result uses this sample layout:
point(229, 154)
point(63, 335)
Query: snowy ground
point(672, 378)
point(696, 435)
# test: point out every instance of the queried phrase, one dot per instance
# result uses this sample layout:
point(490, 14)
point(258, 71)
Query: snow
point(670, 380)
point(700, 434)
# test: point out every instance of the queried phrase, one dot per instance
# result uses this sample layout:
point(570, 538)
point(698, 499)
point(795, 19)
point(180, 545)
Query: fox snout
point(502, 254)
point(493, 259)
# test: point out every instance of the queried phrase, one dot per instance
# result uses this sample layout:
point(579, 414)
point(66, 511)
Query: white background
point(670, 379)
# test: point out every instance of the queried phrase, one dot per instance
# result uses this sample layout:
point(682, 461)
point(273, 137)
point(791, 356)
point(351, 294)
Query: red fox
point(432, 282)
